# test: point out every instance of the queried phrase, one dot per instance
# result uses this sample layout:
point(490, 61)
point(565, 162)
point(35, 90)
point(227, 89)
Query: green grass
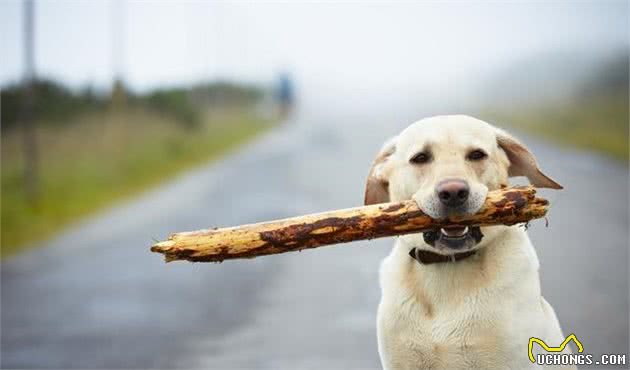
point(102, 158)
point(597, 123)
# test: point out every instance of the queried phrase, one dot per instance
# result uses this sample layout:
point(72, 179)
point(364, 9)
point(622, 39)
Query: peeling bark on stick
point(507, 206)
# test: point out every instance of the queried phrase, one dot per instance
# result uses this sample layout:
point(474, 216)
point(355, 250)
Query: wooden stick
point(507, 206)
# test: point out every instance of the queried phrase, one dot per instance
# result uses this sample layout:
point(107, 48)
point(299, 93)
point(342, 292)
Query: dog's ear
point(377, 186)
point(522, 161)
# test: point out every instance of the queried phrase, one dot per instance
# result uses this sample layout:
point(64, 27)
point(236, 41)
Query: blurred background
point(123, 121)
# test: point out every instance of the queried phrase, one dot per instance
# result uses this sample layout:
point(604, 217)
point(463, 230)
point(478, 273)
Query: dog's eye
point(476, 155)
point(422, 157)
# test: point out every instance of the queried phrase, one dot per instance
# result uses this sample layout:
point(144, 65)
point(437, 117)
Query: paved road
point(94, 297)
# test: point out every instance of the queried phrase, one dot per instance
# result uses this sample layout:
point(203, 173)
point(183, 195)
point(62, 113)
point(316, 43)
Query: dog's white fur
point(478, 312)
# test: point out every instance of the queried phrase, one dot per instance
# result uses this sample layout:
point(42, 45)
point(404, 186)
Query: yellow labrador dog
point(458, 298)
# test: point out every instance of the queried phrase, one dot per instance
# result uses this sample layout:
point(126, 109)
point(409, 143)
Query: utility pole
point(29, 139)
point(118, 95)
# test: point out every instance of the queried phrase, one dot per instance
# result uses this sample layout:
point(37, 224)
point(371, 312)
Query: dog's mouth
point(453, 237)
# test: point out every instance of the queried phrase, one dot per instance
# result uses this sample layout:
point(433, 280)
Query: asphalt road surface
point(95, 297)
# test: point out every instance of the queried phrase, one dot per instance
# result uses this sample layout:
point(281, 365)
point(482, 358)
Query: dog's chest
point(462, 340)
point(467, 328)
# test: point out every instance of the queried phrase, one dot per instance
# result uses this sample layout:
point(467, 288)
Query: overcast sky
point(357, 43)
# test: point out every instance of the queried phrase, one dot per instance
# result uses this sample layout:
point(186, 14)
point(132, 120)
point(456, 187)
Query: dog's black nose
point(452, 192)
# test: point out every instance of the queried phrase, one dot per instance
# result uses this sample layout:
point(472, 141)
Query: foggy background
point(442, 48)
point(124, 121)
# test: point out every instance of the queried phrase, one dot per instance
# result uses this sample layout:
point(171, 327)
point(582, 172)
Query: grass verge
point(599, 123)
point(100, 158)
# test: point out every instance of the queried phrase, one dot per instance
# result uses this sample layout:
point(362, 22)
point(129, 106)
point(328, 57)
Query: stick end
point(164, 248)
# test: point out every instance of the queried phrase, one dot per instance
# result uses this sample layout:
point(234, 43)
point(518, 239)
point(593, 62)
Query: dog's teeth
point(454, 233)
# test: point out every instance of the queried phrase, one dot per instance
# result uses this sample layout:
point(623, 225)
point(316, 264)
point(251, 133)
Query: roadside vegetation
point(595, 117)
point(94, 153)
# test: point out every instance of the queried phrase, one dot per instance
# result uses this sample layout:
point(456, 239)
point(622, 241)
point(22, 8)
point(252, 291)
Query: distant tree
point(610, 78)
point(54, 103)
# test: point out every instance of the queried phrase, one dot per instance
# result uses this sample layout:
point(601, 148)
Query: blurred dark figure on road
point(284, 95)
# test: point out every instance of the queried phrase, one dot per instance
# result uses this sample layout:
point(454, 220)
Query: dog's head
point(447, 164)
